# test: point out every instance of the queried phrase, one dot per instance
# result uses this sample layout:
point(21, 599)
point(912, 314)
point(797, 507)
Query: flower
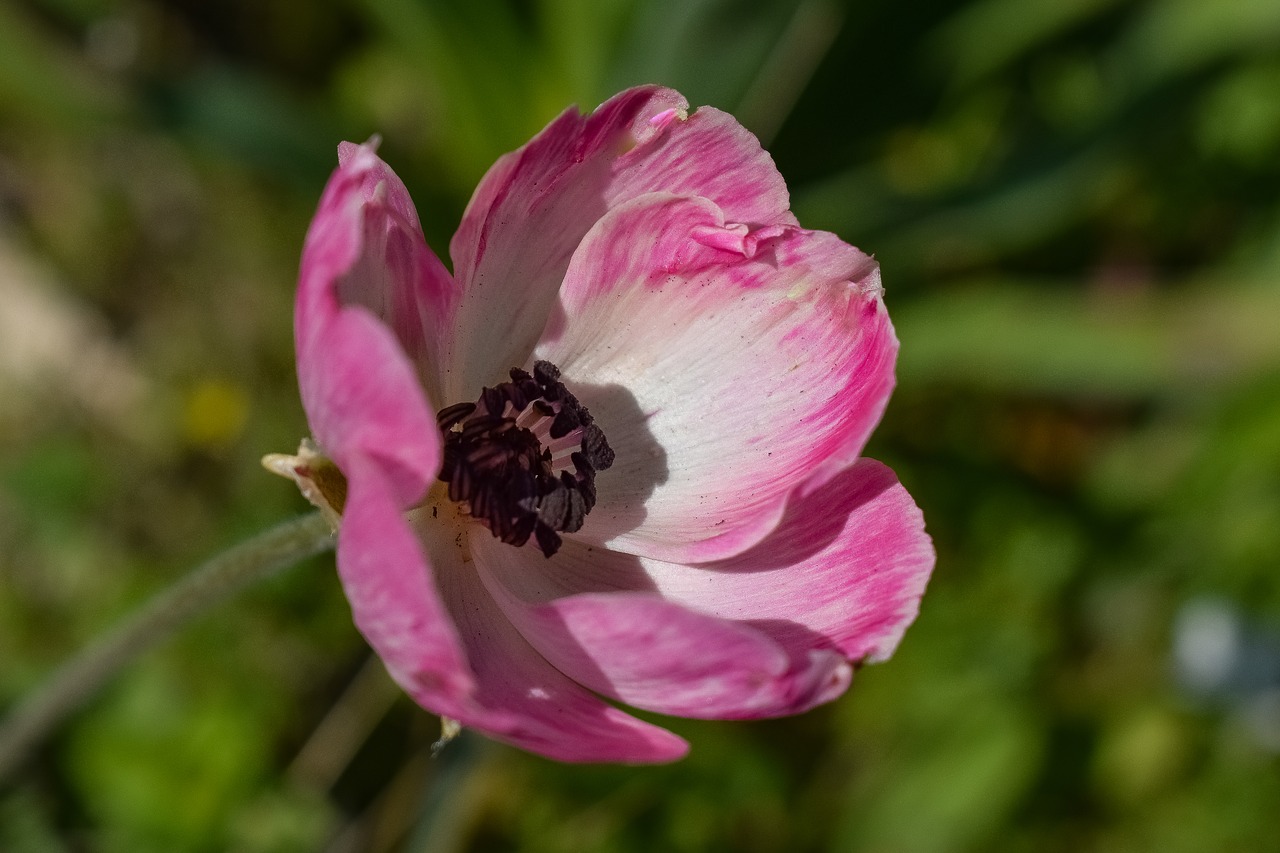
point(615, 455)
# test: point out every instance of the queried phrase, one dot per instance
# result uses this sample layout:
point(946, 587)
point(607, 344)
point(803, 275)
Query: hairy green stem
point(77, 680)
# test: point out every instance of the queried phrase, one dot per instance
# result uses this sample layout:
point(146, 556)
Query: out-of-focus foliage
point(1077, 210)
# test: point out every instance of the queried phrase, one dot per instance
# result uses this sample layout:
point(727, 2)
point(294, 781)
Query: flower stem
point(77, 680)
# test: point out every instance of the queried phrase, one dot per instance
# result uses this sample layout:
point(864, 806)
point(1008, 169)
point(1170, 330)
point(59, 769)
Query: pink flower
point(663, 503)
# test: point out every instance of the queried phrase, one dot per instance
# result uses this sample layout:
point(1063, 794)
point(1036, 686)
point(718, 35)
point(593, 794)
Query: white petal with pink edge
point(844, 571)
point(546, 712)
point(416, 598)
point(652, 653)
point(367, 220)
point(534, 206)
point(728, 367)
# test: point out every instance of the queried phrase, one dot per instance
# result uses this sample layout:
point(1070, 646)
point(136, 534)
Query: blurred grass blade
point(35, 717)
point(1040, 340)
point(984, 38)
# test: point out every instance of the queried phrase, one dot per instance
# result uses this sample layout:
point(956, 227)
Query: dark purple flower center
point(524, 457)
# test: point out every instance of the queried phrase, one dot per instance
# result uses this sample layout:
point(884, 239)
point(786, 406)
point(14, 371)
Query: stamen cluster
point(524, 457)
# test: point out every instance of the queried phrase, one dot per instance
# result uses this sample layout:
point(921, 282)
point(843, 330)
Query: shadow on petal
point(639, 465)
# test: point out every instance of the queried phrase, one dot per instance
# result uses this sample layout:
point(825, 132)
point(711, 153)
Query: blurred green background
point(1076, 206)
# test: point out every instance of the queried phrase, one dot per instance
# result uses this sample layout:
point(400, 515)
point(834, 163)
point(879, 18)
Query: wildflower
point(615, 455)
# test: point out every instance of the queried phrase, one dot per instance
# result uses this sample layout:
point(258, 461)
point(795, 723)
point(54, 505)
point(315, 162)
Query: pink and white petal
point(844, 571)
point(363, 400)
point(365, 248)
point(378, 182)
point(845, 568)
point(415, 597)
point(534, 206)
point(389, 583)
point(729, 367)
point(549, 713)
point(359, 389)
point(640, 649)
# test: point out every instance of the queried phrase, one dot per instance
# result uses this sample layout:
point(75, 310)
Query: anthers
point(523, 458)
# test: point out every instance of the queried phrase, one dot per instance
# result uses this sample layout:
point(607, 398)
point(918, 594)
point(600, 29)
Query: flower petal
point(371, 301)
point(549, 713)
point(388, 581)
point(728, 366)
point(397, 276)
point(554, 715)
point(415, 597)
point(363, 401)
point(845, 568)
point(844, 571)
point(643, 650)
point(534, 206)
